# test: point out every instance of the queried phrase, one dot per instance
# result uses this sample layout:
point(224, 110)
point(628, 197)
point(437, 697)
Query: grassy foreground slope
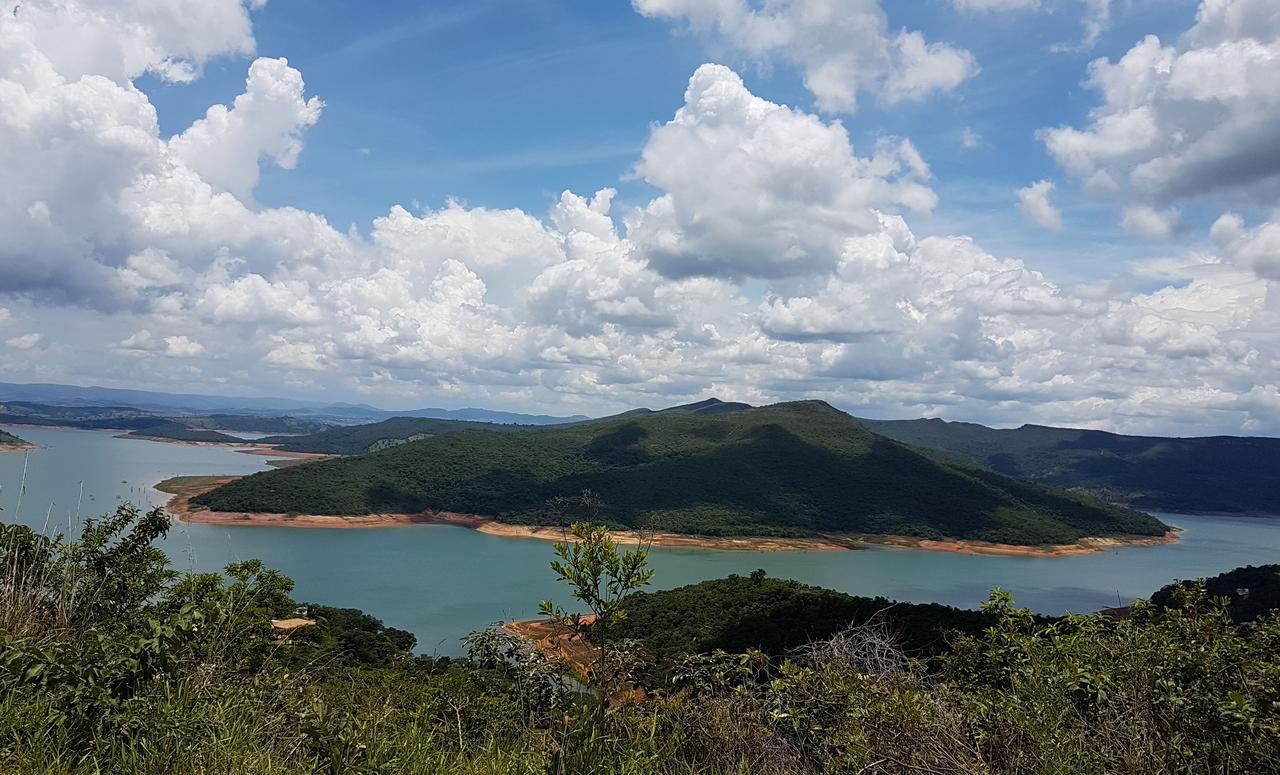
point(114, 661)
point(784, 470)
point(1217, 473)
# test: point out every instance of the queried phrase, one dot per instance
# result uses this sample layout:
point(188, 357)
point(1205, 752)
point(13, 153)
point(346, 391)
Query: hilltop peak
point(711, 405)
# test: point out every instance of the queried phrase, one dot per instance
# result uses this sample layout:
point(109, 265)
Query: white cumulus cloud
point(1149, 222)
point(122, 39)
point(1179, 120)
point(265, 122)
point(24, 342)
point(844, 47)
point(757, 188)
point(173, 346)
point(772, 261)
point(1033, 201)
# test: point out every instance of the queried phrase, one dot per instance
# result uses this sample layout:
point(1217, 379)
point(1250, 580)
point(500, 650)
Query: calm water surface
point(442, 582)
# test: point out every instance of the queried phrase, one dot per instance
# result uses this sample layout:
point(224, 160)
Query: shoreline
point(191, 442)
point(247, 447)
point(17, 447)
point(187, 442)
point(1244, 514)
point(279, 458)
point(1087, 545)
point(184, 488)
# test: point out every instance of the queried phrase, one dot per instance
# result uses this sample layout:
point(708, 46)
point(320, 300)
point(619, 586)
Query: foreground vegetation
point(1212, 474)
point(1250, 593)
point(112, 662)
point(795, 469)
point(778, 616)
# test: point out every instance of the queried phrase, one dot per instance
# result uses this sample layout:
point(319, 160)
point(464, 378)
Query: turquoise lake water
point(441, 582)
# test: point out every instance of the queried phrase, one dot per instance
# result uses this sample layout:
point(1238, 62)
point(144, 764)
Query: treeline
point(113, 662)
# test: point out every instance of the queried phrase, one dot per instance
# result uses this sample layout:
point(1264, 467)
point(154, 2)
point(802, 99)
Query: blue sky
point(506, 104)
point(1059, 211)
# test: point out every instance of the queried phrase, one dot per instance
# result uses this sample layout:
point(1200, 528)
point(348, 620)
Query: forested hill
point(785, 470)
point(176, 431)
point(358, 439)
point(1214, 474)
point(9, 440)
point(778, 616)
point(371, 437)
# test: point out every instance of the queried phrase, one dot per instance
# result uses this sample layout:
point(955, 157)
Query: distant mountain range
point(795, 469)
point(151, 423)
point(334, 413)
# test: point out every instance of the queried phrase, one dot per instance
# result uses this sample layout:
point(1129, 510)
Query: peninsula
point(800, 470)
point(10, 443)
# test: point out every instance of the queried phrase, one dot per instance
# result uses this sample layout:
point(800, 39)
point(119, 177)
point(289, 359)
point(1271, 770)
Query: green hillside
point(1216, 473)
point(371, 437)
point(176, 431)
point(785, 470)
point(359, 439)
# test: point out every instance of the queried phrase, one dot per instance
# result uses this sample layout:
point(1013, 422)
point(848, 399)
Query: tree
point(600, 577)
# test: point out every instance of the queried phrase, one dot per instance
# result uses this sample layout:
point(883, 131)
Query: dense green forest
point(795, 469)
point(359, 439)
point(777, 616)
point(8, 439)
point(111, 661)
point(175, 431)
point(1213, 474)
